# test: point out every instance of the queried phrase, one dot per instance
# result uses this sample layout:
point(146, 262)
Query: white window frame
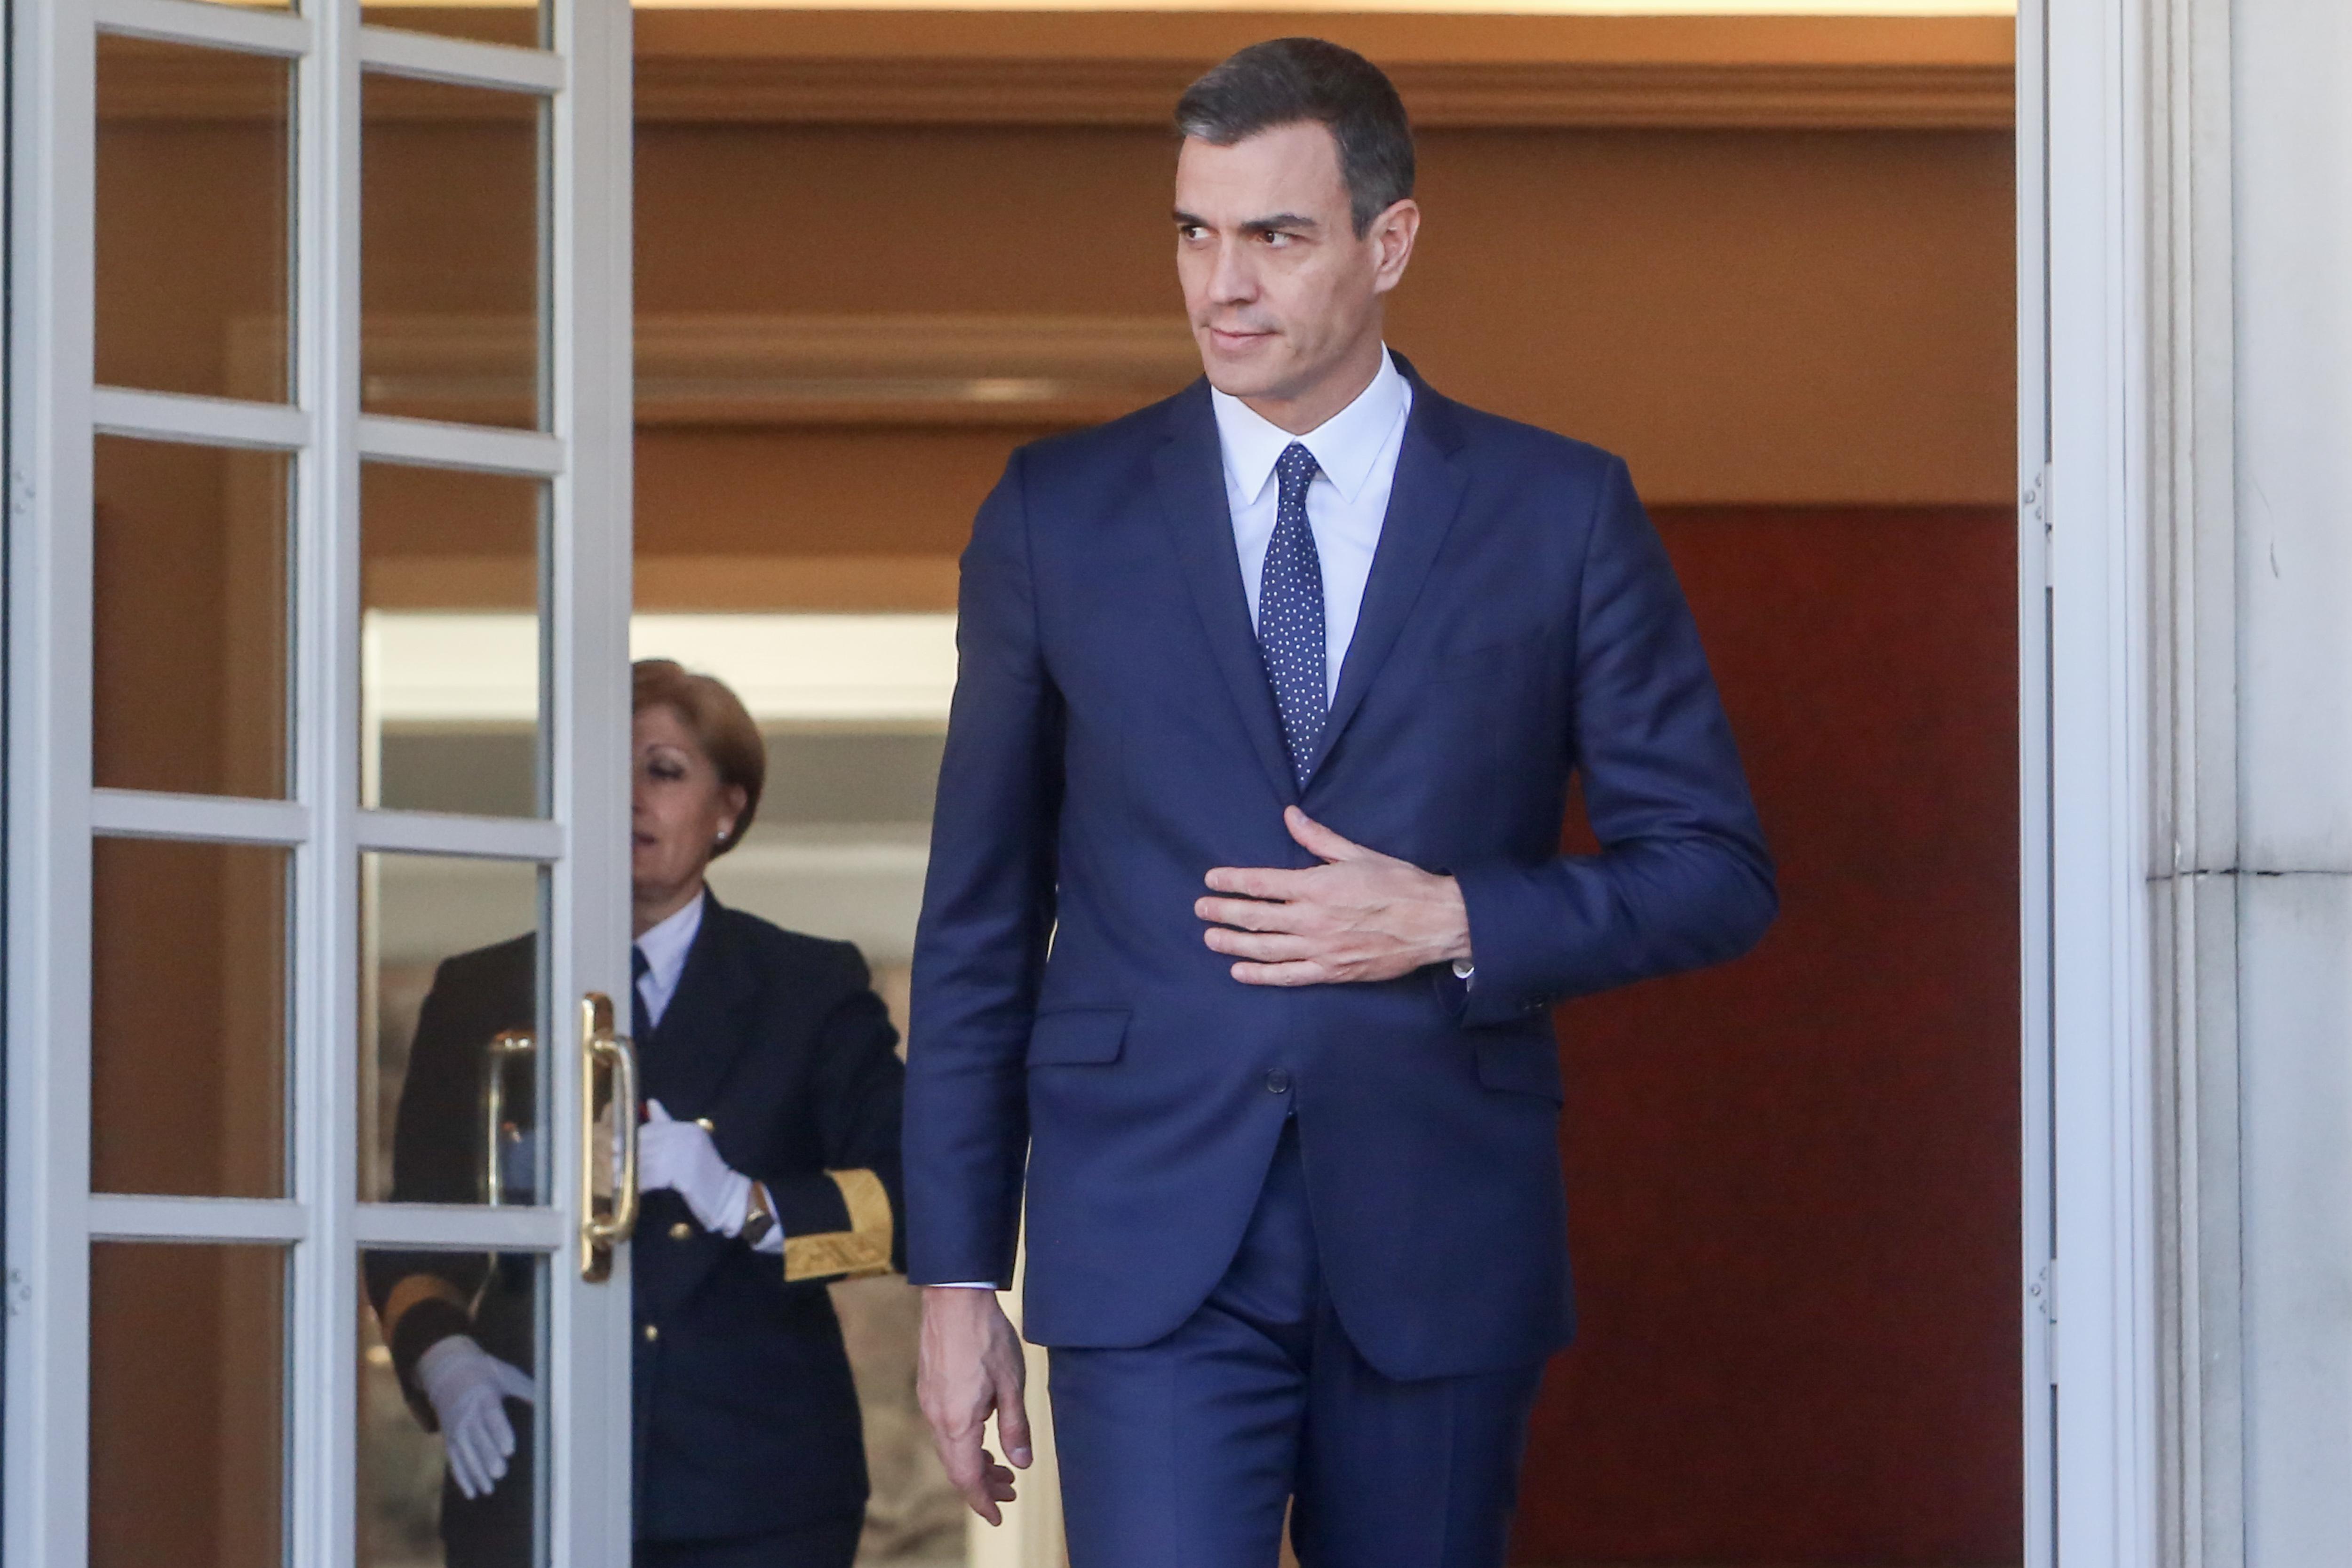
point(53, 412)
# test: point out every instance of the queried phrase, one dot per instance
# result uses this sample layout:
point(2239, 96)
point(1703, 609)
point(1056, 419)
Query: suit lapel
point(1193, 499)
point(696, 1044)
point(1422, 502)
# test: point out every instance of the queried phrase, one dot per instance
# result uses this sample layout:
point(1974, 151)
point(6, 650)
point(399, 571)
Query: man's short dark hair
point(1286, 81)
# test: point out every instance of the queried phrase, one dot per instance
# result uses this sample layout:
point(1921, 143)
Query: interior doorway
point(876, 251)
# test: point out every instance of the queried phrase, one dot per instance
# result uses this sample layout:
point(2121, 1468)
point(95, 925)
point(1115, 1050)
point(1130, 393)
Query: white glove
point(679, 1155)
point(469, 1387)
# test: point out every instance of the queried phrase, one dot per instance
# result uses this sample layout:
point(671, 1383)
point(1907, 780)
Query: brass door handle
point(505, 1047)
point(603, 1049)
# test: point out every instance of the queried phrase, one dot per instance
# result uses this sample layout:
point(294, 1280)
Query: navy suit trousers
point(1185, 1452)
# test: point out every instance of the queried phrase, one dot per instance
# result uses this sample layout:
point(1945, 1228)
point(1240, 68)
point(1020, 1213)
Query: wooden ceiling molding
point(1126, 69)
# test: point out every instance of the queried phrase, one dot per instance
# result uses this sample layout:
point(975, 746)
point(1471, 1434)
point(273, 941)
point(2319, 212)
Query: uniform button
point(680, 1231)
point(653, 1332)
point(1277, 1082)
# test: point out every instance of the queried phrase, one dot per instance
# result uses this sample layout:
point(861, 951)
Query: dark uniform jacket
point(746, 1418)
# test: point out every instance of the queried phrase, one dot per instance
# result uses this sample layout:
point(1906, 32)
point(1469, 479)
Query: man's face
point(1281, 293)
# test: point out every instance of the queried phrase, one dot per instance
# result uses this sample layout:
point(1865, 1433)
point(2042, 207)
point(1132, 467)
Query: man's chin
point(1249, 379)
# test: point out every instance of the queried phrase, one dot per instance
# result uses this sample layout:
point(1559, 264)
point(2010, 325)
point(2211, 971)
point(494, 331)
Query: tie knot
point(638, 965)
point(1297, 467)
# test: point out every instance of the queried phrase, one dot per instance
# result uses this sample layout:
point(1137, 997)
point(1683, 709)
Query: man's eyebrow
point(1278, 221)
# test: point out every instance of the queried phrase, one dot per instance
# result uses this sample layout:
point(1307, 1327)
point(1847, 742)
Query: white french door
point(316, 314)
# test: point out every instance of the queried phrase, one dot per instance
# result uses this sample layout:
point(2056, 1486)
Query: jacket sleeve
point(1682, 877)
point(421, 1298)
point(988, 910)
point(845, 1220)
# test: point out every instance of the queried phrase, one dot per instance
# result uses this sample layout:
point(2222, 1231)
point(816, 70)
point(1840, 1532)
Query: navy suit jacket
point(1114, 737)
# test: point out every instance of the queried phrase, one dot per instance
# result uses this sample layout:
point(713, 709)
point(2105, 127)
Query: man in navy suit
point(1246, 910)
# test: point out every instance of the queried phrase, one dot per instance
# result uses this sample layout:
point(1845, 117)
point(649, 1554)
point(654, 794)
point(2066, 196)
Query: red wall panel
point(1794, 1181)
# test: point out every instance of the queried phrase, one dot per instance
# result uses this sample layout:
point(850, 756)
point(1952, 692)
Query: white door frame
point(2034, 1083)
point(2091, 103)
point(52, 808)
point(2125, 259)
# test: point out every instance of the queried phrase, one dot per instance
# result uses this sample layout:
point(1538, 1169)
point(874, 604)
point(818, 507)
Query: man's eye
point(1276, 238)
point(1189, 231)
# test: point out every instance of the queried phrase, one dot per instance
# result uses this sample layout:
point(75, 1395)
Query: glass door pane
point(194, 219)
point(187, 1002)
point(452, 324)
point(447, 1474)
point(187, 1405)
point(517, 24)
point(189, 689)
point(452, 650)
point(453, 998)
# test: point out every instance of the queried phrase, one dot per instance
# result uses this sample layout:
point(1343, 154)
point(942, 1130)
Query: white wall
point(2293, 256)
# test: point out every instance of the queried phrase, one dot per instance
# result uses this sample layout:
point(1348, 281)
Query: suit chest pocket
point(1491, 658)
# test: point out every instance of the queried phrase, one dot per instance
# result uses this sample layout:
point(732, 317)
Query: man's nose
point(1232, 281)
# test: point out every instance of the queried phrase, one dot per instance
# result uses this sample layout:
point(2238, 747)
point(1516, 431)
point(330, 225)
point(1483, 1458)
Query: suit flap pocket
point(1078, 1034)
point(1525, 1064)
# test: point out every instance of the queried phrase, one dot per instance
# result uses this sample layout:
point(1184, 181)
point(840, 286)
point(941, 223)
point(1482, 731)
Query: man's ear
point(1392, 235)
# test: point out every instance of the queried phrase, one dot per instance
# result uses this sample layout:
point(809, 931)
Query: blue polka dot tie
point(1290, 614)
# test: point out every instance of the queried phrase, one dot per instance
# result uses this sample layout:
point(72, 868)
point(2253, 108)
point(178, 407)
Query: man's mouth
point(1237, 337)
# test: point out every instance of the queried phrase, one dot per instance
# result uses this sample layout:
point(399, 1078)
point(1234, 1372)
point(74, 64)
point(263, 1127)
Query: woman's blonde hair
point(720, 723)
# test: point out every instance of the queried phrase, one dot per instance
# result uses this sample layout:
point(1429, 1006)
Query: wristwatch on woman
point(758, 1219)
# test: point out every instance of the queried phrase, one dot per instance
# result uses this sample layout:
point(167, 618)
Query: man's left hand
point(1360, 915)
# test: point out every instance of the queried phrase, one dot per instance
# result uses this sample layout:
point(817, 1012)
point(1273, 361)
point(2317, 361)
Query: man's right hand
point(971, 1365)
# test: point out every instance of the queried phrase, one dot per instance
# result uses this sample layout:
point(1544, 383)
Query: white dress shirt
point(665, 944)
point(1356, 457)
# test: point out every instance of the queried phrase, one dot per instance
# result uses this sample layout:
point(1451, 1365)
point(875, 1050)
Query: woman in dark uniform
point(769, 1164)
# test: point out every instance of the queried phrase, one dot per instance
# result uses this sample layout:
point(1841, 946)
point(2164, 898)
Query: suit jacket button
point(680, 1231)
point(1277, 1082)
point(653, 1332)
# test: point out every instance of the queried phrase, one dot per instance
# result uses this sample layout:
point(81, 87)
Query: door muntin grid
point(292, 391)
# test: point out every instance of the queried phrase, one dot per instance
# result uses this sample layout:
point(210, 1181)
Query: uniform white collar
point(1346, 446)
point(667, 943)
